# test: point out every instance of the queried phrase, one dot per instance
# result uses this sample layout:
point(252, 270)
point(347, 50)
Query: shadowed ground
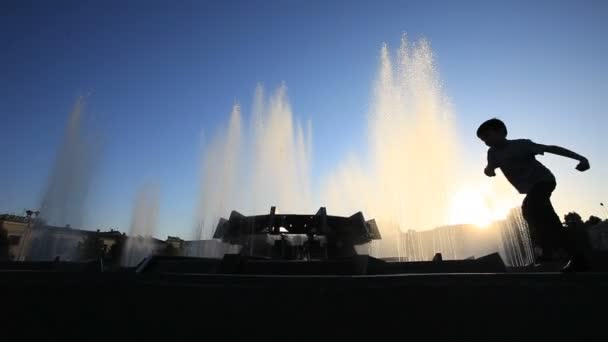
point(508, 306)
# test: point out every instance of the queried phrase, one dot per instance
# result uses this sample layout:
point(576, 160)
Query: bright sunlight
point(478, 205)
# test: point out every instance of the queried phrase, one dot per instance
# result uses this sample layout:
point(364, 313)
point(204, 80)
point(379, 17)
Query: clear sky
point(159, 73)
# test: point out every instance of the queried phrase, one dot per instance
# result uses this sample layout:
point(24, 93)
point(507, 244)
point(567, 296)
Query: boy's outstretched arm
point(490, 169)
point(583, 164)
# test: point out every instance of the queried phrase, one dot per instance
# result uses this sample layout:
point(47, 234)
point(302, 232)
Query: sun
point(467, 207)
point(477, 205)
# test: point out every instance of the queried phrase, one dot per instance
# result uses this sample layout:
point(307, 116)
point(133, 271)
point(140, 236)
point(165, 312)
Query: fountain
point(297, 237)
point(404, 184)
point(63, 202)
point(251, 170)
point(411, 154)
point(64, 199)
point(403, 178)
point(144, 220)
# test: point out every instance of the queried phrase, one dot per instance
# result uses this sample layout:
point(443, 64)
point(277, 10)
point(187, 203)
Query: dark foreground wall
point(123, 306)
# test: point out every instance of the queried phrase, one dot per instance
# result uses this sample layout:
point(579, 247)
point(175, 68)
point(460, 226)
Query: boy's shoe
point(575, 265)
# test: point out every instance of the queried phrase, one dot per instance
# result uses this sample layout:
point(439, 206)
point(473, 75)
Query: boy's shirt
point(516, 159)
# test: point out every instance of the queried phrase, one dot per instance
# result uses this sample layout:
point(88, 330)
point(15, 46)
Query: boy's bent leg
point(544, 224)
point(530, 213)
point(552, 228)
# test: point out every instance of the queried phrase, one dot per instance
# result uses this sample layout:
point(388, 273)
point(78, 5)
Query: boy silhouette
point(517, 161)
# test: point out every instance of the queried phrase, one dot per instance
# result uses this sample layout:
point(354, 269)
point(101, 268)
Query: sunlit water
point(403, 179)
point(144, 221)
point(411, 147)
point(68, 186)
point(252, 166)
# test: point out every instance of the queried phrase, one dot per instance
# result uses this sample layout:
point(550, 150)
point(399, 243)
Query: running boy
point(516, 159)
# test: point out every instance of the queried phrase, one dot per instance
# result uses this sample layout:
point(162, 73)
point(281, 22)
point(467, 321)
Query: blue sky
point(159, 73)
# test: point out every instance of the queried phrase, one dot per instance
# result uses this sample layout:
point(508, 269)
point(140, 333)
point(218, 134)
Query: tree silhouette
point(91, 247)
point(578, 236)
point(170, 250)
point(593, 221)
point(115, 253)
point(4, 255)
point(573, 220)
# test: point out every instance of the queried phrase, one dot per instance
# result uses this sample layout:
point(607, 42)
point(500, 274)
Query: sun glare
point(476, 205)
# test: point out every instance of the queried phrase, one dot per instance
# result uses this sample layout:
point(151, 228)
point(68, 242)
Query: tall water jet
point(220, 164)
point(411, 148)
point(64, 200)
point(281, 155)
point(144, 221)
point(251, 169)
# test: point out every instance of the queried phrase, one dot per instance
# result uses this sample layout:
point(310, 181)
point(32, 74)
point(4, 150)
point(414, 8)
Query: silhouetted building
point(598, 236)
point(423, 245)
point(454, 242)
point(17, 228)
point(110, 238)
point(31, 240)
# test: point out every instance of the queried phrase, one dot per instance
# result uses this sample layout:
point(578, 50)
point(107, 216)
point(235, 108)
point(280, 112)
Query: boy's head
point(493, 132)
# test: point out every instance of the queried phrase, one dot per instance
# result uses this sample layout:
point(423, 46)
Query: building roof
point(14, 218)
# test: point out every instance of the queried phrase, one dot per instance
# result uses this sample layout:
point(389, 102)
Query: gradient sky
point(160, 73)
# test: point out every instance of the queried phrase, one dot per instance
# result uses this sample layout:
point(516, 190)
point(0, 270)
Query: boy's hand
point(489, 171)
point(583, 165)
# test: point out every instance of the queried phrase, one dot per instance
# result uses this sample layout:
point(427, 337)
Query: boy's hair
point(492, 125)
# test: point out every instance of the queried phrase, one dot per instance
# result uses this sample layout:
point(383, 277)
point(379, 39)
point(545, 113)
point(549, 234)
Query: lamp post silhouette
point(605, 210)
